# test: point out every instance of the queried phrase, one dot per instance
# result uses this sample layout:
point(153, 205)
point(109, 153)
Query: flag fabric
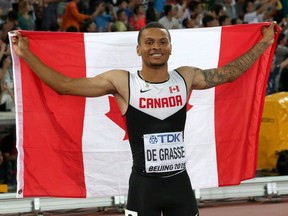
point(71, 146)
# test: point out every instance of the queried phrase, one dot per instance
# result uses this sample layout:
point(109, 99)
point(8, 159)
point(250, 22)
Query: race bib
point(164, 152)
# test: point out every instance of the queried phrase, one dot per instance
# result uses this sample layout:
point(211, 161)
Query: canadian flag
point(71, 146)
point(174, 89)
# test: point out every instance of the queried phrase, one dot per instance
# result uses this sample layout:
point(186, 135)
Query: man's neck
point(154, 74)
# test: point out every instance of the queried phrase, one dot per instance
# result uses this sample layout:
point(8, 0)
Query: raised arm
point(107, 83)
point(203, 79)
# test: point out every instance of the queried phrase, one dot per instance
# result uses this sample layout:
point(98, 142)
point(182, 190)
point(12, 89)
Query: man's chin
point(157, 65)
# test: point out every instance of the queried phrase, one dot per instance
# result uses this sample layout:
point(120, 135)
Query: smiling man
point(154, 102)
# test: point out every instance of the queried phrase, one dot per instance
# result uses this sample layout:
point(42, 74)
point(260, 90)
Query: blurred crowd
point(129, 15)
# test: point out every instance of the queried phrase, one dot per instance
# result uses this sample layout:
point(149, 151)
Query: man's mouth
point(156, 54)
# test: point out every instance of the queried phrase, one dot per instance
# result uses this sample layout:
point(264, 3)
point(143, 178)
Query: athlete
point(155, 100)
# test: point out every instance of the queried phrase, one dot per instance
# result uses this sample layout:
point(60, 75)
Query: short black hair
point(185, 22)
point(167, 9)
point(216, 8)
point(222, 19)
point(206, 19)
point(152, 25)
point(119, 12)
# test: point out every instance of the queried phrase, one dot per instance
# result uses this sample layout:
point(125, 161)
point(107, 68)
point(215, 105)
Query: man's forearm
point(241, 64)
point(235, 68)
point(49, 76)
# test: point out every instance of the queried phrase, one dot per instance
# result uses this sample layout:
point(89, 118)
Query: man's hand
point(20, 44)
point(269, 33)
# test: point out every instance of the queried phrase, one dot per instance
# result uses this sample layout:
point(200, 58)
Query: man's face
point(154, 47)
point(250, 7)
point(213, 23)
point(123, 17)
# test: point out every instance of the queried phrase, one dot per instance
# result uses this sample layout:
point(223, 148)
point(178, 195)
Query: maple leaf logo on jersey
point(174, 89)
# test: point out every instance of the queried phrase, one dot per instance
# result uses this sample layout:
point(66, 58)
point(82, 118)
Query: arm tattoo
point(235, 68)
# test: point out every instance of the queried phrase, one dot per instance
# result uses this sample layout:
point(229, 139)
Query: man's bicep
point(201, 79)
point(212, 77)
point(90, 87)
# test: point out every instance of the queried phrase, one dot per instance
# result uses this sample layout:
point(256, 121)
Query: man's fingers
point(15, 36)
point(272, 27)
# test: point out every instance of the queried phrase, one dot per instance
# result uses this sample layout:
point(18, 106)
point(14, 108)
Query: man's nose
point(156, 45)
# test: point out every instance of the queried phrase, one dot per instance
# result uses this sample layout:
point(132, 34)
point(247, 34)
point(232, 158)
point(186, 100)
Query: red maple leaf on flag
point(114, 115)
point(189, 106)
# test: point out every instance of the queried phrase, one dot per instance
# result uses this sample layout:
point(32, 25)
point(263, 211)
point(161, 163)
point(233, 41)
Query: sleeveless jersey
point(155, 121)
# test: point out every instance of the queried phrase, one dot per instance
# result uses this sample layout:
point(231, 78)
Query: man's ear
point(138, 50)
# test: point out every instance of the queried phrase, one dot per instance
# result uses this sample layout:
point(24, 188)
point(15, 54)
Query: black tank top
point(155, 108)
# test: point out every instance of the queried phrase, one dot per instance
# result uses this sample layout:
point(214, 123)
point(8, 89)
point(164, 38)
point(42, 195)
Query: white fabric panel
point(107, 159)
point(19, 119)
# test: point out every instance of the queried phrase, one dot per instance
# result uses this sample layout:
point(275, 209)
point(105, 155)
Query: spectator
point(72, 16)
point(274, 81)
point(230, 9)
point(284, 25)
point(105, 15)
point(46, 13)
point(151, 13)
point(168, 20)
point(8, 147)
point(88, 26)
point(236, 21)
point(181, 9)
point(121, 23)
point(50, 14)
point(138, 19)
point(123, 5)
point(25, 19)
point(72, 29)
point(6, 6)
point(224, 20)
point(189, 23)
point(132, 4)
point(253, 15)
point(209, 21)
point(281, 49)
point(239, 5)
point(196, 12)
point(11, 23)
point(159, 6)
point(6, 87)
point(216, 11)
point(38, 7)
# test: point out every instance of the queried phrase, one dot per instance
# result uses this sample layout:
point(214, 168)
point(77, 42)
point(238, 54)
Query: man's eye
point(149, 42)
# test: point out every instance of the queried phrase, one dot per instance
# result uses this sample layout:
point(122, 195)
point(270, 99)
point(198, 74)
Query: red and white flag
point(77, 147)
point(174, 89)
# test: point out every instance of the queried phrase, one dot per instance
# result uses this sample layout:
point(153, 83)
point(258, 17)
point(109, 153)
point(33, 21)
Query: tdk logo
point(166, 138)
point(153, 139)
